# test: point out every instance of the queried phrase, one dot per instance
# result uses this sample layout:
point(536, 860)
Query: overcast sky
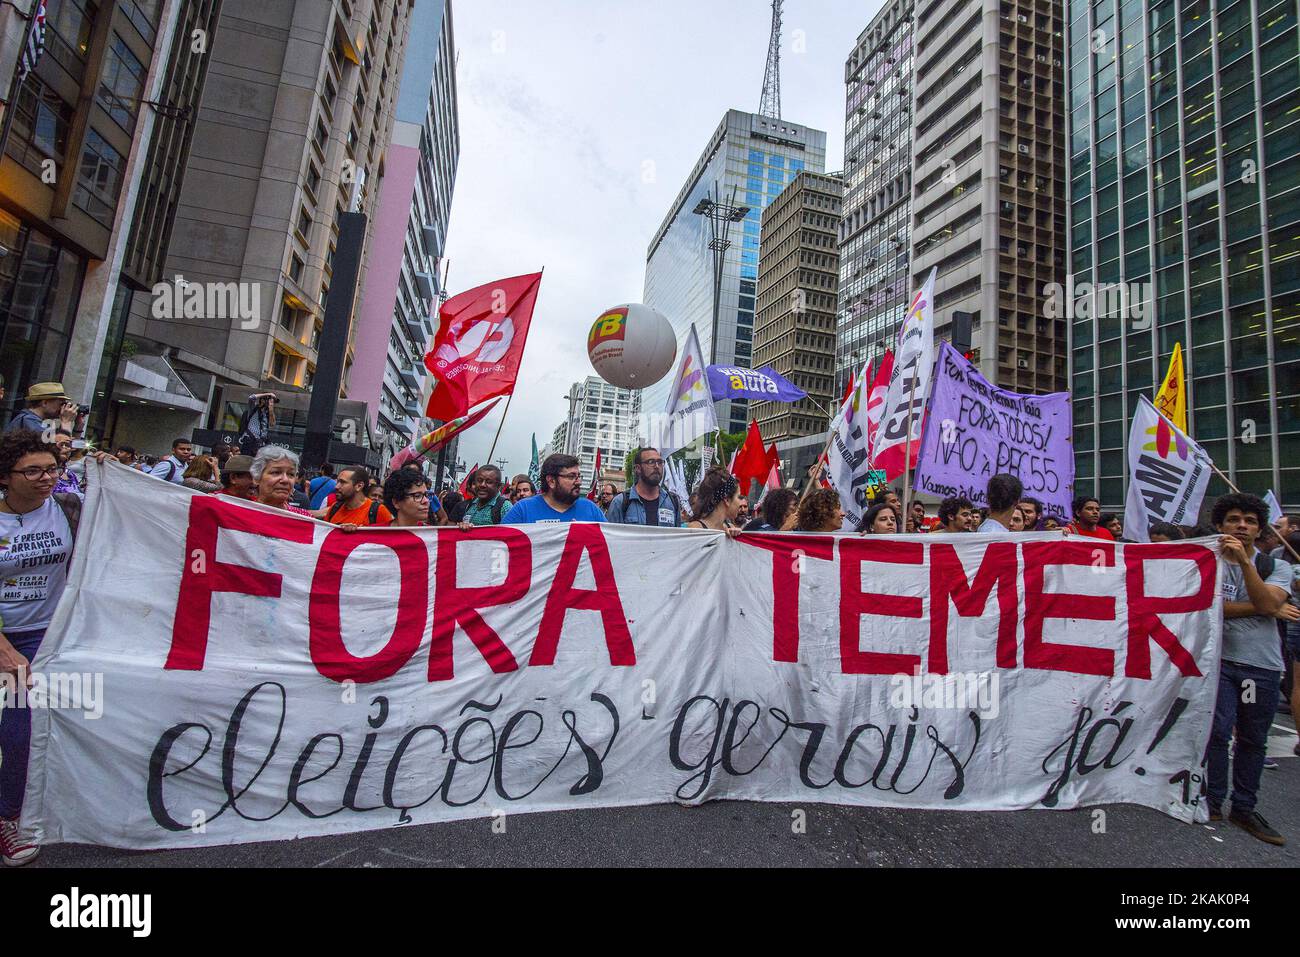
point(579, 122)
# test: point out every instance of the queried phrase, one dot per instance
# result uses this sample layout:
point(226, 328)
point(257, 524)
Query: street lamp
point(720, 216)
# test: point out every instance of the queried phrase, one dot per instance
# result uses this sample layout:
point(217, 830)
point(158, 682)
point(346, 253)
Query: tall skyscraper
point(987, 184)
point(293, 131)
point(876, 225)
point(748, 161)
point(399, 305)
point(1185, 194)
point(798, 275)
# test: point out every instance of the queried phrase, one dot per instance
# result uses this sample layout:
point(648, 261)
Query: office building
point(1185, 194)
point(798, 279)
point(748, 161)
point(875, 228)
point(292, 131)
point(987, 183)
point(399, 305)
point(97, 139)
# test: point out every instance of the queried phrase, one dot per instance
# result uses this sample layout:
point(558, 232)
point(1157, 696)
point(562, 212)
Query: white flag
point(909, 386)
point(1274, 507)
point(847, 467)
point(689, 413)
point(1167, 474)
point(675, 480)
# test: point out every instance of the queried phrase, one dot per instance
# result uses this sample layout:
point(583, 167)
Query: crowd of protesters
point(43, 480)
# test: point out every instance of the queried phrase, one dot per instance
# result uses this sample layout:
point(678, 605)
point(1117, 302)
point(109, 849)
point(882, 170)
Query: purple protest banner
point(975, 430)
point(735, 382)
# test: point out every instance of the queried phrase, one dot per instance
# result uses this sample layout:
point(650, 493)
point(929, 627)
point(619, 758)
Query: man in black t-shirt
point(646, 502)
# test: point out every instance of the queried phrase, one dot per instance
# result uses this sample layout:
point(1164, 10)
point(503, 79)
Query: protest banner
point(975, 430)
point(267, 676)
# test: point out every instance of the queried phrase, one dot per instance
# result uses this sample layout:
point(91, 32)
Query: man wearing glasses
point(559, 500)
point(646, 502)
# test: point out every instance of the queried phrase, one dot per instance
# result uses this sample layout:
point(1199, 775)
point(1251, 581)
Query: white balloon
point(632, 346)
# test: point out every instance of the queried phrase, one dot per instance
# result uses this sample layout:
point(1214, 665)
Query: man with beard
point(558, 500)
point(646, 502)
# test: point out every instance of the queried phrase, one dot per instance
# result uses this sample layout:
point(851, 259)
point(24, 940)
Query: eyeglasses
point(35, 474)
point(652, 461)
point(571, 476)
point(418, 496)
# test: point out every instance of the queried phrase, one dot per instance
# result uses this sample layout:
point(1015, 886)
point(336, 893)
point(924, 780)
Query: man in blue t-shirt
point(322, 486)
point(558, 500)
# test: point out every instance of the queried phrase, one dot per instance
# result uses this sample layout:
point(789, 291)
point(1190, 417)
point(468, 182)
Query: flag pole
point(817, 471)
point(502, 422)
point(907, 455)
point(1227, 481)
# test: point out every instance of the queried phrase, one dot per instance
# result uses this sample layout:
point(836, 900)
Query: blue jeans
point(16, 734)
point(1252, 720)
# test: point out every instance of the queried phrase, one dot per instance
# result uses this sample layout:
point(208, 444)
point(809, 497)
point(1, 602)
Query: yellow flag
point(1171, 400)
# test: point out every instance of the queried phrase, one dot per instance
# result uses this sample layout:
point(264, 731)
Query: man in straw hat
point(46, 403)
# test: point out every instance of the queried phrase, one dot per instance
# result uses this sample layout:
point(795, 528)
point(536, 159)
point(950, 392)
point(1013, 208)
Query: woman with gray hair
point(274, 469)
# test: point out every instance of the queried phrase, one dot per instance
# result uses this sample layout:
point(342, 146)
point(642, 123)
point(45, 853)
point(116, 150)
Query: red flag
point(465, 492)
point(439, 437)
point(876, 401)
point(751, 460)
point(594, 492)
point(479, 345)
point(774, 474)
point(848, 389)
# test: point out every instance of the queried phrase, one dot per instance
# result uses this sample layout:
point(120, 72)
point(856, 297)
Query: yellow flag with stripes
point(1171, 400)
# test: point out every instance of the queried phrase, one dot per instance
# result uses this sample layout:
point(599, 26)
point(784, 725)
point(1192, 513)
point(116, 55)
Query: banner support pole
point(907, 457)
point(1227, 481)
point(501, 424)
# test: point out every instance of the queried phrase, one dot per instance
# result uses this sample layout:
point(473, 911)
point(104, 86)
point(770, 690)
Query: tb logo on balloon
point(611, 325)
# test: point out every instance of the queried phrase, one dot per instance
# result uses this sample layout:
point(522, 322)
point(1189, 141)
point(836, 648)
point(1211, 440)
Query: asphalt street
point(751, 834)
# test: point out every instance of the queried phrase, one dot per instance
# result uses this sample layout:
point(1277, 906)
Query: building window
point(99, 181)
point(304, 225)
point(40, 284)
point(282, 366)
point(121, 83)
point(313, 180)
point(295, 268)
point(40, 128)
point(143, 15)
point(67, 33)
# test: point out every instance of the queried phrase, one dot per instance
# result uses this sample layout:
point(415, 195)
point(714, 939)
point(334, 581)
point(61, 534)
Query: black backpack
point(373, 515)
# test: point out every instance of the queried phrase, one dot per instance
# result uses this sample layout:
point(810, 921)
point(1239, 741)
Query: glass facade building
point(757, 156)
point(1185, 187)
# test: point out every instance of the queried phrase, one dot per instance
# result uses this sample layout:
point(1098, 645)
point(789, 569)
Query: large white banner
point(267, 676)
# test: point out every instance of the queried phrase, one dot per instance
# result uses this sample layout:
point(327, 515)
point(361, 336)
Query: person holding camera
point(255, 426)
point(48, 406)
